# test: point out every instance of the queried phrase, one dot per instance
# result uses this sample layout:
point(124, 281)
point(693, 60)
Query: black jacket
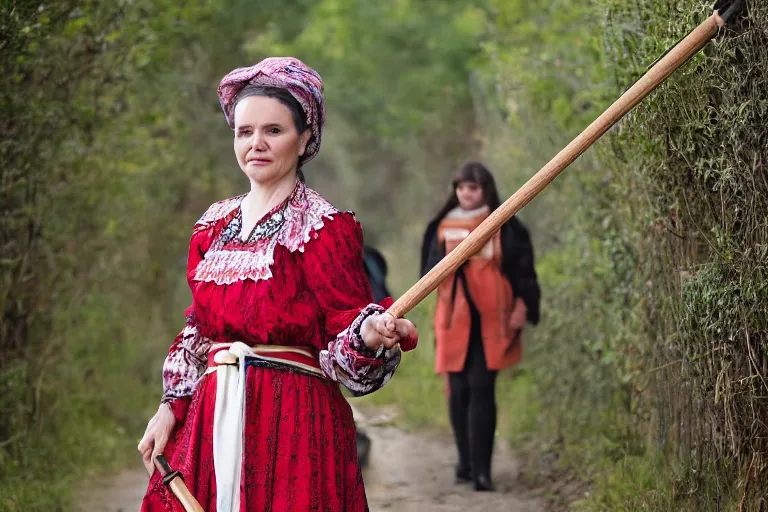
point(516, 261)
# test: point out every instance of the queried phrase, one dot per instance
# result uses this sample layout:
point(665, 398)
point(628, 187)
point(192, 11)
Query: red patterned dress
point(297, 281)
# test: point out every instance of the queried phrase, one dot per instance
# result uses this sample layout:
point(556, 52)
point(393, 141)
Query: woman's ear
point(304, 140)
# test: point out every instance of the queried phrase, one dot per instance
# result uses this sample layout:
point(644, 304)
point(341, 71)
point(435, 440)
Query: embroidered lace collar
point(289, 224)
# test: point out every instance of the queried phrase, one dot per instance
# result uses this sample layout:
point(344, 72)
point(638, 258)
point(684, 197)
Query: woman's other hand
point(518, 316)
point(385, 329)
point(156, 436)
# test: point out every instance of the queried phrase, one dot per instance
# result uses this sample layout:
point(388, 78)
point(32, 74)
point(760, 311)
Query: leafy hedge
point(97, 199)
point(651, 359)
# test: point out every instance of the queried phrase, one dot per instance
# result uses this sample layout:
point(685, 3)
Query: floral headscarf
point(303, 82)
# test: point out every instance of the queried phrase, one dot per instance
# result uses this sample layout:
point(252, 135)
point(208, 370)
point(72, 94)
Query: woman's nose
point(259, 142)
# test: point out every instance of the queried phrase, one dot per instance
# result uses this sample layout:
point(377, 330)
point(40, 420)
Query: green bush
point(95, 214)
point(650, 360)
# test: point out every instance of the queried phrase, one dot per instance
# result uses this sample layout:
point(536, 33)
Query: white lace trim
point(304, 213)
point(219, 210)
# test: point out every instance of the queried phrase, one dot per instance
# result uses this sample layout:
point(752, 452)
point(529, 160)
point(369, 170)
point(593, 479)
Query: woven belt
point(271, 356)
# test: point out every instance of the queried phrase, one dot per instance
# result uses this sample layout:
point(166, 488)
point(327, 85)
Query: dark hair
point(476, 173)
point(284, 97)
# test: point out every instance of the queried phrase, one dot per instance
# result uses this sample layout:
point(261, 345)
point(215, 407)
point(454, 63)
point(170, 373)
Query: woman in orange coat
point(480, 315)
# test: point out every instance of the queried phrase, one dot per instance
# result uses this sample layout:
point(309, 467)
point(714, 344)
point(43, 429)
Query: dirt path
point(407, 472)
point(415, 473)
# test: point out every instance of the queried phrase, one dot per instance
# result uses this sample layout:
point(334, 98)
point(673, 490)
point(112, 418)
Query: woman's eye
point(274, 130)
point(244, 133)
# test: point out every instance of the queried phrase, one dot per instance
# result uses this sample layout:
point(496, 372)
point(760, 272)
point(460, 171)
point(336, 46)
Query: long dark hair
point(476, 173)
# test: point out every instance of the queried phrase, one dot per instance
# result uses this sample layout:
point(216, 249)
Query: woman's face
point(267, 144)
point(470, 195)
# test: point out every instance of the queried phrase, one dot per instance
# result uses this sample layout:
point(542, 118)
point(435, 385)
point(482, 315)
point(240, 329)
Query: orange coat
point(501, 316)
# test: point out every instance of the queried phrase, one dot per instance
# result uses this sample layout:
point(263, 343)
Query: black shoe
point(483, 483)
point(463, 476)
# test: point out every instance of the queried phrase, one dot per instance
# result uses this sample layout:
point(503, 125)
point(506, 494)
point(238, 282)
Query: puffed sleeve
point(187, 358)
point(333, 269)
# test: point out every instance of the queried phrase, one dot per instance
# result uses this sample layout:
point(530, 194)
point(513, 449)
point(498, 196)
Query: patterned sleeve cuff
point(356, 339)
point(184, 366)
point(354, 365)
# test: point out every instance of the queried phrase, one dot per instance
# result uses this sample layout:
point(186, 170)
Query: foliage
point(95, 191)
point(649, 364)
point(114, 143)
point(651, 339)
point(697, 153)
point(397, 91)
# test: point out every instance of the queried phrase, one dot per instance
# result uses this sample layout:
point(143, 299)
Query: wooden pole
point(179, 489)
point(176, 483)
point(667, 65)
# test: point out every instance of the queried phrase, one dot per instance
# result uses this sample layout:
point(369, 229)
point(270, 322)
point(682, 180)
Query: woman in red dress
point(252, 413)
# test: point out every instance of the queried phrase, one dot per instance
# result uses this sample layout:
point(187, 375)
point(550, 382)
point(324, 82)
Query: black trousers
point(473, 406)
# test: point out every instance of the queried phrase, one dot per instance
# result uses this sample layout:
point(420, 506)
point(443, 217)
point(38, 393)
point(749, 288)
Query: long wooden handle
point(179, 489)
point(667, 65)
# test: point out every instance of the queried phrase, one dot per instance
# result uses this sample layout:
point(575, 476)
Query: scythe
point(724, 12)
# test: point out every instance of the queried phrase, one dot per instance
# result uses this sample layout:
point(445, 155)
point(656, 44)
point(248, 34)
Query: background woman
point(480, 315)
